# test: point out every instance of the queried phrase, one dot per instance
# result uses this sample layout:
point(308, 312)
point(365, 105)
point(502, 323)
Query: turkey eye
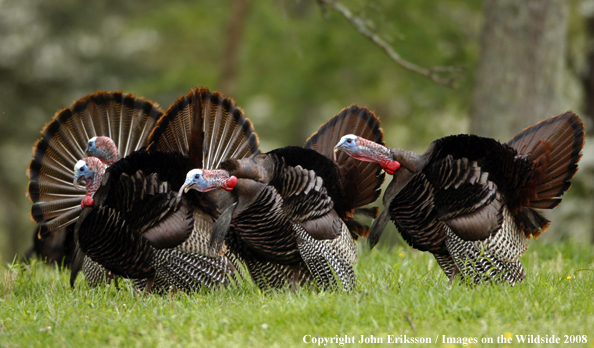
point(90, 143)
point(349, 141)
point(82, 169)
point(197, 176)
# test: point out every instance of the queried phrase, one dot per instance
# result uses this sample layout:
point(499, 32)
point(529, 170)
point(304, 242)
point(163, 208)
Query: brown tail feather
point(363, 178)
point(531, 222)
point(54, 208)
point(553, 192)
point(546, 203)
point(554, 146)
point(206, 126)
point(358, 229)
point(124, 118)
point(371, 212)
point(55, 224)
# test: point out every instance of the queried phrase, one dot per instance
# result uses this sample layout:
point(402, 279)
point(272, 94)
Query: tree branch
point(434, 73)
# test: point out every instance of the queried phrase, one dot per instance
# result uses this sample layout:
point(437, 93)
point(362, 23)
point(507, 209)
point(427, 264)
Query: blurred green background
point(289, 64)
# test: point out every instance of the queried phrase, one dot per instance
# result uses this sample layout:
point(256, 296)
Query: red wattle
point(231, 182)
point(86, 202)
point(390, 166)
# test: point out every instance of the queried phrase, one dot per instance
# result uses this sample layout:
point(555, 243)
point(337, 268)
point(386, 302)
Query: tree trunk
point(519, 77)
point(239, 11)
point(588, 78)
point(588, 84)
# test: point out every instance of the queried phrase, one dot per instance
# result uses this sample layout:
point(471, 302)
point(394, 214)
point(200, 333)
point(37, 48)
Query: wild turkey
point(470, 200)
point(151, 179)
point(295, 206)
point(136, 225)
point(208, 128)
point(56, 202)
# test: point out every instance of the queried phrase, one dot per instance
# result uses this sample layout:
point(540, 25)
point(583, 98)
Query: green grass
point(398, 289)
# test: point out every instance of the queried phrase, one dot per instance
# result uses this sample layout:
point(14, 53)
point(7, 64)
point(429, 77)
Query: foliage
point(398, 288)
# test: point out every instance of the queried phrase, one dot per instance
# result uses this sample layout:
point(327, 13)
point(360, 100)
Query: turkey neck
point(93, 184)
point(411, 164)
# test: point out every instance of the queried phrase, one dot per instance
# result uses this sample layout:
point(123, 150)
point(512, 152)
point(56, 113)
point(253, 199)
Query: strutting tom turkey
point(471, 200)
point(293, 220)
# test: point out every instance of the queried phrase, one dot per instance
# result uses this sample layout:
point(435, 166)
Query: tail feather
point(371, 212)
point(124, 118)
point(171, 133)
point(351, 120)
point(554, 185)
point(206, 126)
point(54, 208)
point(554, 147)
point(563, 126)
point(532, 222)
point(364, 186)
point(61, 221)
point(357, 229)
point(232, 135)
point(545, 204)
point(554, 192)
point(567, 172)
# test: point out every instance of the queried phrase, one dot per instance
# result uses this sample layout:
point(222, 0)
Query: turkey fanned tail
point(553, 146)
point(207, 127)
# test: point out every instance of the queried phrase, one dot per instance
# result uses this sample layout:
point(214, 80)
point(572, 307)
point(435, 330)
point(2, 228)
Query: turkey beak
point(187, 186)
point(75, 182)
point(337, 149)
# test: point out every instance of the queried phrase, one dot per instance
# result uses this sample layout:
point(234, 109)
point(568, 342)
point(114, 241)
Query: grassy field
point(400, 292)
